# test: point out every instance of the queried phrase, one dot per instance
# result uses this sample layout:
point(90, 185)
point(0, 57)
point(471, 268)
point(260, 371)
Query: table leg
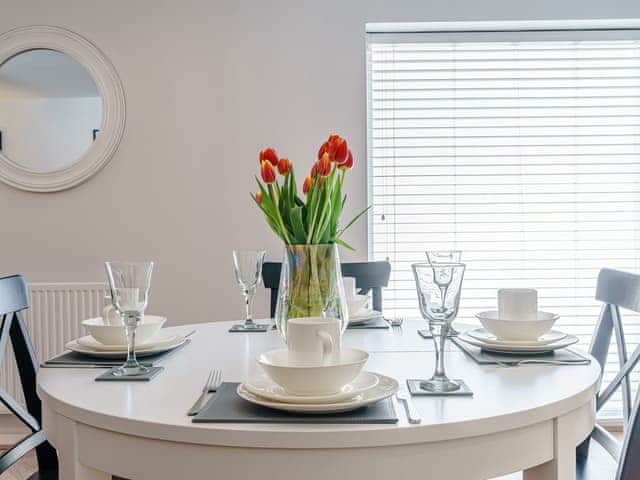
point(65, 441)
point(563, 465)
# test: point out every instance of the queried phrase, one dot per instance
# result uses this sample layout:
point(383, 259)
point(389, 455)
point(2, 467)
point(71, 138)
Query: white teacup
point(313, 340)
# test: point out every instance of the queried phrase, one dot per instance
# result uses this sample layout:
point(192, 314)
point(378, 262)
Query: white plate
point(268, 389)
point(487, 337)
point(365, 317)
point(386, 387)
point(74, 346)
point(519, 349)
point(159, 340)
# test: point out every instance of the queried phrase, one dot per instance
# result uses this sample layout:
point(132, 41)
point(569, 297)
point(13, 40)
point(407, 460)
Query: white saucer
point(386, 387)
point(364, 317)
point(519, 349)
point(159, 340)
point(487, 337)
point(74, 346)
point(268, 389)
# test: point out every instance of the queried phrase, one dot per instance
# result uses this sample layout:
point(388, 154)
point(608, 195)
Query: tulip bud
point(269, 155)
point(307, 185)
point(314, 170)
point(324, 148)
point(341, 151)
point(267, 172)
point(258, 198)
point(348, 164)
point(324, 165)
point(284, 166)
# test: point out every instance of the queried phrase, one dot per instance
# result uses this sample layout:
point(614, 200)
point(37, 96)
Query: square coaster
point(374, 323)
point(108, 376)
point(414, 389)
point(426, 333)
point(259, 327)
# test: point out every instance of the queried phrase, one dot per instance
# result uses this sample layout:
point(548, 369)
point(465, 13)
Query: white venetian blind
point(522, 149)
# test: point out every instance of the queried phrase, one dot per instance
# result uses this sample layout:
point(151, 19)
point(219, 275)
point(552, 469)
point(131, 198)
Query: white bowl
point(313, 379)
point(356, 303)
point(520, 330)
point(148, 327)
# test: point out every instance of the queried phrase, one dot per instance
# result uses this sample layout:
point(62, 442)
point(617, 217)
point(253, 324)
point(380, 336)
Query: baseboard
point(612, 424)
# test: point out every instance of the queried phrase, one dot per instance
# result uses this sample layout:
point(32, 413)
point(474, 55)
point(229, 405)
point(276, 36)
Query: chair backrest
point(370, 277)
point(14, 299)
point(618, 289)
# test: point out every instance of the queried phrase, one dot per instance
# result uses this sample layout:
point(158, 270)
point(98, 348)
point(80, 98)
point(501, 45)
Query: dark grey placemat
point(108, 376)
point(377, 322)
point(227, 407)
point(75, 358)
point(483, 357)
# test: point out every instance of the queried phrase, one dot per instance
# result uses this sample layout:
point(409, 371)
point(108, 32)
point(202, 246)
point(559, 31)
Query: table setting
point(313, 377)
point(123, 332)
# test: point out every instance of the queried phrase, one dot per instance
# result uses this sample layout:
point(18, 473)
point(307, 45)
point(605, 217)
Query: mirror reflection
point(50, 110)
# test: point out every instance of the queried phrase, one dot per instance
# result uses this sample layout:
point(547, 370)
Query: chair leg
point(47, 459)
point(582, 450)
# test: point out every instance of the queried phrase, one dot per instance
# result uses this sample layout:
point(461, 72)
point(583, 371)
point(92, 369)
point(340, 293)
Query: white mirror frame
point(109, 85)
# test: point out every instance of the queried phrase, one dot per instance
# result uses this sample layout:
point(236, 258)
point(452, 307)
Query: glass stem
point(443, 296)
point(248, 308)
point(439, 334)
point(131, 322)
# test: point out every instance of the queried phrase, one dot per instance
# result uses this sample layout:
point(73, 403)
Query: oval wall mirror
point(61, 109)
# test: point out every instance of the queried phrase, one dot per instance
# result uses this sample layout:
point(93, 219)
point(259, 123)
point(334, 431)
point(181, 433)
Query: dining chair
point(370, 277)
point(13, 300)
point(616, 290)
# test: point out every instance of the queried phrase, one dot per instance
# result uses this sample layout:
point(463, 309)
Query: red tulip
point(284, 166)
point(324, 165)
point(269, 155)
point(258, 198)
point(314, 170)
point(336, 147)
point(307, 184)
point(267, 172)
point(348, 164)
point(324, 148)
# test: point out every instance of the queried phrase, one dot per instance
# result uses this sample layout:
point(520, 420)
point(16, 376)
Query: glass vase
point(311, 286)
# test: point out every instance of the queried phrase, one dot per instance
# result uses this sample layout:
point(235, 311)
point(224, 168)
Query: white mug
point(349, 287)
point(517, 304)
point(313, 340)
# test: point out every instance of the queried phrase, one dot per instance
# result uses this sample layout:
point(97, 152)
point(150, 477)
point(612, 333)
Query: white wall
point(46, 134)
point(208, 83)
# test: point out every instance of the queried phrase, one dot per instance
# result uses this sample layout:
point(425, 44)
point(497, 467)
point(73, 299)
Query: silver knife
point(412, 414)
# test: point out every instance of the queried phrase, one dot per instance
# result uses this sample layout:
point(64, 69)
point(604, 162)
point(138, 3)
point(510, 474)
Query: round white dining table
point(526, 418)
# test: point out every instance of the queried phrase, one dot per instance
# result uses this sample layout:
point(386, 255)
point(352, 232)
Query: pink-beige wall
point(208, 83)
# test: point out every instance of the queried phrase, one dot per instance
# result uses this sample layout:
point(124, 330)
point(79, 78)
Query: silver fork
point(517, 363)
point(214, 380)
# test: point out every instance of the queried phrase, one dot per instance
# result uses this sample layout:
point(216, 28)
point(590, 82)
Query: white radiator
point(54, 316)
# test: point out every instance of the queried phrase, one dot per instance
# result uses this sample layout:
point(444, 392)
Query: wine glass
point(129, 283)
point(248, 268)
point(438, 286)
point(445, 256)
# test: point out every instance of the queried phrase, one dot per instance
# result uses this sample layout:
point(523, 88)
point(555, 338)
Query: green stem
point(279, 217)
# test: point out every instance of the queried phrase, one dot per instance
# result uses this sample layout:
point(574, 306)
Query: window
point(517, 144)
